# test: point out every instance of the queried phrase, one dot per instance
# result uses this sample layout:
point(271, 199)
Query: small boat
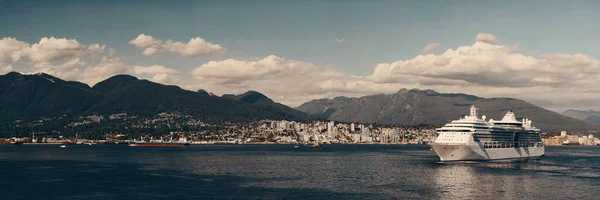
point(63, 146)
point(316, 145)
point(296, 146)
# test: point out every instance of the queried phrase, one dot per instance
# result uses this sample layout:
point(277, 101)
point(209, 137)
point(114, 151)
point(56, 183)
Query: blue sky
point(373, 32)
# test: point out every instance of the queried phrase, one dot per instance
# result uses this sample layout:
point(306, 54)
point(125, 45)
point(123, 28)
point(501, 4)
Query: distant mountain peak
point(12, 74)
point(253, 92)
point(48, 77)
point(202, 91)
point(113, 83)
point(431, 107)
point(121, 77)
point(417, 90)
point(32, 96)
point(586, 115)
point(340, 98)
point(254, 97)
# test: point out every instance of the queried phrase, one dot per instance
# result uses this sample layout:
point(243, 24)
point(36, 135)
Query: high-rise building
point(273, 124)
point(283, 124)
point(563, 133)
point(330, 128)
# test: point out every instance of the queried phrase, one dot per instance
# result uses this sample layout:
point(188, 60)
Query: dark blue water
point(280, 172)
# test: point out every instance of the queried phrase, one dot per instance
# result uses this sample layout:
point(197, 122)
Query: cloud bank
point(486, 68)
point(487, 38)
point(70, 60)
point(195, 47)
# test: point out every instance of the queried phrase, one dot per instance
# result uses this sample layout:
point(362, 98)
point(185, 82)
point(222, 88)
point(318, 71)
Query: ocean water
point(282, 172)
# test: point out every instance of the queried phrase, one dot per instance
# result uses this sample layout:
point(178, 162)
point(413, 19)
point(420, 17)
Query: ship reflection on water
point(455, 181)
point(467, 180)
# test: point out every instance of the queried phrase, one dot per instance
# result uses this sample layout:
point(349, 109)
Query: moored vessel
point(472, 138)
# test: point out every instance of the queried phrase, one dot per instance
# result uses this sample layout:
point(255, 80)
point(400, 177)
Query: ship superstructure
point(473, 138)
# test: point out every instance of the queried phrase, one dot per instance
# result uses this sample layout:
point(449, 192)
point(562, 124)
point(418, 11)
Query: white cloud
point(65, 70)
point(491, 65)
point(144, 41)
point(339, 40)
point(52, 49)
point(289, 81)
point(105, 68)
point(60, 57)
point(5, 68)
point(429, 48)
point(493, 70)
point(154, 69)
point(195, 47)
point(10, 50)
point(150, 51)
point(165, 78)
point(485, 68)
point(486, 37)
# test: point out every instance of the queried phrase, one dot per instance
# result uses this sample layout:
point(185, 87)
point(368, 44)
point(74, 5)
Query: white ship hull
point(476, 152)
point(473, 138)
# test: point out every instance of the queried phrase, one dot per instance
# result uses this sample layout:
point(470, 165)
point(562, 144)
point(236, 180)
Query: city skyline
point(542, 52)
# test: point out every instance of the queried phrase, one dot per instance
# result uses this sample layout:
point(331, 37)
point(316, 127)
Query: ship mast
point(473, 111)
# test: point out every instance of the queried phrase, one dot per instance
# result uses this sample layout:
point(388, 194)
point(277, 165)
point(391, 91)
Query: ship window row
point(449, 137)
point(500, 145)
point(462, 126)
point(493, 137)
point(457, 130)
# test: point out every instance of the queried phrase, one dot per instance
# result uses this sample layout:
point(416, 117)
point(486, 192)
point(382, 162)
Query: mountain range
point(430, 107)
point(37, 96)
point(588, 115)
point(28, 97)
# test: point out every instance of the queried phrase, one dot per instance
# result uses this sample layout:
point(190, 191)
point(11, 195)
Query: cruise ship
point(473, 139)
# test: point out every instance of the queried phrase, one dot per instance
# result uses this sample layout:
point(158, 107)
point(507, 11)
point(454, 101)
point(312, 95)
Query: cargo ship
point(159, 144)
